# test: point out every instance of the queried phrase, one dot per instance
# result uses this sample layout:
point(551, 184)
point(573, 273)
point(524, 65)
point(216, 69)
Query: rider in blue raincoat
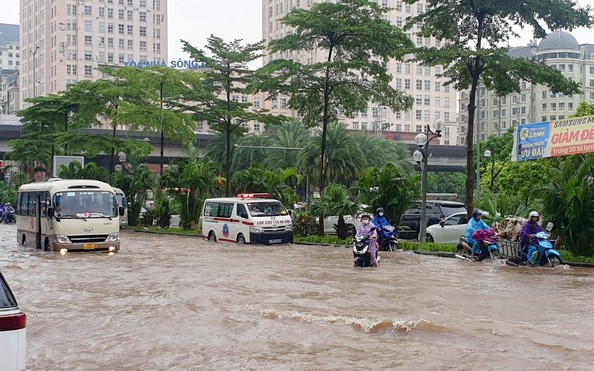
point(474, 224)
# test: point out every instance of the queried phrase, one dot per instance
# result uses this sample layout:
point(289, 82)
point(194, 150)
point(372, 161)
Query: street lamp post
point(489, 153)
point(35, 70)
point(422, 156)
point(162, 136)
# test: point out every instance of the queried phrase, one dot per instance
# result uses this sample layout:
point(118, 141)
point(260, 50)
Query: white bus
point(68, 215)
point(247, 218)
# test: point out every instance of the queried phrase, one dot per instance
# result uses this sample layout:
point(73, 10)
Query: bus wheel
point(212, 237)
point(240, 239)
point(24, 241)
point(46, 245)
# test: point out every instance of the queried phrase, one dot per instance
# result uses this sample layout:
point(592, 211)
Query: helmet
point(533, 213)
point(477, 212)
point(365, 215)
point(379, 210)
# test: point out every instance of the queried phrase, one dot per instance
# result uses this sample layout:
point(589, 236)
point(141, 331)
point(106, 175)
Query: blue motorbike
point(541, 251)
point(387, 238)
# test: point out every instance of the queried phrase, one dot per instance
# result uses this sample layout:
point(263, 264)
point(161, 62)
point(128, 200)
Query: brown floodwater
point(180, 303)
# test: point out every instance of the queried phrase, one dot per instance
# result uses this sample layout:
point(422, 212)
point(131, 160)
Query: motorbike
point(361, 251)
point(546, 256)
point(387, 239)
point(9, 218)
point(487, 243)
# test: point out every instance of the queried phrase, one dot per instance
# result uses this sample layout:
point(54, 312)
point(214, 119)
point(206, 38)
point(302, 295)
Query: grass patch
point(427, 246)
point(174, 230)
point(331, 240)
point(567, 256)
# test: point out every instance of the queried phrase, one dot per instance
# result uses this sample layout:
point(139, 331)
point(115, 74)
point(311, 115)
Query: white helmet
point(533, 213)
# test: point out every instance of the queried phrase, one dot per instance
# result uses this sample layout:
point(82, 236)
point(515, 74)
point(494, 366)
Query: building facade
point(9, 92)
point(534, 103)
point(64, 41)
point(433, 99)
point(9, 46)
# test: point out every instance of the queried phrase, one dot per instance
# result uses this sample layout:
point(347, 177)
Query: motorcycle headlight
point(62, 238)
point(115, 236)
point(256, 230)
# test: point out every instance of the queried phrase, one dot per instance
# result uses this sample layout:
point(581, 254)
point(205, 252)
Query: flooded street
point(167, 302)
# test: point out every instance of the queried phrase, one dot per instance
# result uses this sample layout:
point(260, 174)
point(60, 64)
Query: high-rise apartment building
point(64, 41)
point(9, 47)
point(433, 99)
point(534, 103)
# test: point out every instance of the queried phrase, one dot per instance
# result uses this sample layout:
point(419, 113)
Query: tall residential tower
point(64, 41)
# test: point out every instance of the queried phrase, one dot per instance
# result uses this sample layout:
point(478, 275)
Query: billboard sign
point(553, 139)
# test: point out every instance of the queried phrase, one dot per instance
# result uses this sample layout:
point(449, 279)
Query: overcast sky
point(195, 20)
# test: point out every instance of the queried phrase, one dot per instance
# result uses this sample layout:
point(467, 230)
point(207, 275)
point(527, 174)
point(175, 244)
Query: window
point(142, 16)
point(437, 86)
point(88, 55)
point(427, 85)
point(101, 12)
point(88, 70)
point(407, 84)
point(398, 83)
point(110, 13)
point(419, 84)
point(130, 15)
point(419, 100)
point(427, 101)
point(88, 10)
point(88, 26)
point(418, 114)
point(121, 29)
point(283, 103)
point(110, 42)
point(130, 45)
point(130, 29)
point(142, 30)
point(143, 45)
point(110, 28)
point(88, 40)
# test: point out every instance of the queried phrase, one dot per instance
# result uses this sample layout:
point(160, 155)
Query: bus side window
point(241, 211)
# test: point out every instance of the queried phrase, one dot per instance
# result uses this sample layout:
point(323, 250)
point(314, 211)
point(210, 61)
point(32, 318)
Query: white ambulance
point(247, 218)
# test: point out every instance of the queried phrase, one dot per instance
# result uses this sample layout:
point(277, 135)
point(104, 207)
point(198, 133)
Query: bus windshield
point(85, 204)
point(266, 208)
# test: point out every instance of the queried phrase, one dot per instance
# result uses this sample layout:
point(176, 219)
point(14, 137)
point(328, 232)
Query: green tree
point(584, 109)
point(335, 200)
point(290, 134)
point(75, 170)
point(390, 187)
point(568, 201)
point(191, 180)
point(355, 40)
point(501, 149)
point(470, 32)
point(43, 122)
point(135, 181)
point(279, 183)
point(227, 77)
point(378, 151)
point(344, 158)
point(446, 183)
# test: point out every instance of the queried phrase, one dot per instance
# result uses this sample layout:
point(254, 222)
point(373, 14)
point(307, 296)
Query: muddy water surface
point(180, 303)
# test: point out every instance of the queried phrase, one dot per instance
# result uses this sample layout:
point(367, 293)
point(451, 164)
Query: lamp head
point(417, 156)
point(421, 139)
point(487, 153)
point(438, 125)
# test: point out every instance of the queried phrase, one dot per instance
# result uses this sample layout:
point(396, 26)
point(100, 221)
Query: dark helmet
point(476, 212)
point(379, 210)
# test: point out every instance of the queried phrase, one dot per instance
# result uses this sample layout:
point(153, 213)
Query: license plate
point(276, 241)
point(89, 246)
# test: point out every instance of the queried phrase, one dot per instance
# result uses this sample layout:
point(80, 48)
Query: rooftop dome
point(558, 40)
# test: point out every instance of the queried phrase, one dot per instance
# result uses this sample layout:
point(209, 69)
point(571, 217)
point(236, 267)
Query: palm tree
point(390, 187)
point(289, 135)
point(344, 158)
point(379, 151)
point(191, 181)
point(335, 200)
point(279, 183)
point(135, 181)
point(568, 201)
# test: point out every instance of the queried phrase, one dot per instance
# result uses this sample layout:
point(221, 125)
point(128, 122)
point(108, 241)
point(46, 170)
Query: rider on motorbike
point(475, 224)
point(7, 213)
point(527, 237)
point(385, 231)
point(367, 228)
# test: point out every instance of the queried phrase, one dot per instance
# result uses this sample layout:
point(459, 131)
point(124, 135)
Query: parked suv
point(435, 210)
point(13, 336)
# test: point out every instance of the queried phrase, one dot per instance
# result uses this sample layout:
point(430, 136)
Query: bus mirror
point(121, 210)
point(50, 212)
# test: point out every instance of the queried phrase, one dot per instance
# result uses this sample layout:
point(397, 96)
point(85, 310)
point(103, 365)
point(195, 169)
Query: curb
point(453, 255)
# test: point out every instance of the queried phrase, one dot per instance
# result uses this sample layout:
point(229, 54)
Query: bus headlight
point(115, 236)
point(289, 227)
point(62, 238)
point(256, 230)
point(112, 248)
point(63, 251)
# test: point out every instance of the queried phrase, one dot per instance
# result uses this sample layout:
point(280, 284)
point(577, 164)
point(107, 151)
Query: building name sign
point(181, 64)
point(555, 138)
